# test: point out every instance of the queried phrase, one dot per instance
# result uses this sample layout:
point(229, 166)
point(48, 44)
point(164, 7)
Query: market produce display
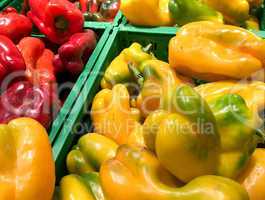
point(176, 119)
point(180, 12)
point(30, 66)
point(161, 136)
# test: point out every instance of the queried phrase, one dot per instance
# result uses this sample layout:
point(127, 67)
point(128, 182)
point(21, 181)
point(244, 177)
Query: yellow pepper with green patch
point(136, 174)
point(90, 152)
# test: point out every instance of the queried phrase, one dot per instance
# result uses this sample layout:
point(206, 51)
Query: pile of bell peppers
point(180, 12)
point(160, 136)
point(98, 10)
point(30, 66)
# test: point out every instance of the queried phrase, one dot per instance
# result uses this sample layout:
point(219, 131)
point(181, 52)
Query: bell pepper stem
point(137, 74)
point(61, 23)
point(148, 48)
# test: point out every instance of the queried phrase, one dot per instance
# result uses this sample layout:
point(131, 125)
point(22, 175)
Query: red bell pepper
point(11, 59)
point(14, 25)
point(75, 53)
point(22, 99)
point(109, 9)
point(40, 72)
point(57, 19)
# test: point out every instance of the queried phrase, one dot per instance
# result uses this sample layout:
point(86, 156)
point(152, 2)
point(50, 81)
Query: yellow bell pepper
point(90, 152)
point(212, 51)
point(84, 187)
point(118, 71)
point(155, 92)
point(151, 126)
point(27, 170)
point(147, 12)
point(253, 93)
point(253, 178)
point(112, 115)
point(235, 12)
point(135, 174)
point(197, 139)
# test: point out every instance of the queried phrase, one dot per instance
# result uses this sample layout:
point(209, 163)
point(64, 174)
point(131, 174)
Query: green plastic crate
point(4, 3)
point(78, 122)
point(71, 99)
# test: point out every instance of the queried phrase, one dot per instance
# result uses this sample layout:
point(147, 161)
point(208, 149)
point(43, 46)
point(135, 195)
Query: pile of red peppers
point(99, 10)
point(29, 69)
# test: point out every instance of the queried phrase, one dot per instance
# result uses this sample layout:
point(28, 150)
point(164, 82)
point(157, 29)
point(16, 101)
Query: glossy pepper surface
point(253, 177)
point(14, 25)
point(57, 19)
point(212, 51)
point(152, 12)
point(86, 187)
point(158, 80)
point(22, 99)
point(40, 73)
point(253, 93)
point(234, 12)
point(204, 138)
point(136, 174)
point(119, 72)
point(90, 152)
point(74, 54)
point(112, 115)
point(11, 59)
point(185, 11)
point(26, 158)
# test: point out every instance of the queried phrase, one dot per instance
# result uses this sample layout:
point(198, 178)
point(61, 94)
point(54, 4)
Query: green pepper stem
point(137, 74)
point(61, 23)
point(148, 48)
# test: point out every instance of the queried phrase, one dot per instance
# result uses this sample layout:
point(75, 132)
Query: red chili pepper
point(57, 19)
point(75, 53)
point(14, 25)
point(11, 59)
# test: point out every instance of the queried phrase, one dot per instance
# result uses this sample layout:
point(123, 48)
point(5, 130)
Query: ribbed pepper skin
point(14, 25)
point(57, 19)
point(212, 51)
point(159, 78)
point(151, 12)
point(112, 115)
point(135, 173)
point(90, 152)
point(27, 168)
